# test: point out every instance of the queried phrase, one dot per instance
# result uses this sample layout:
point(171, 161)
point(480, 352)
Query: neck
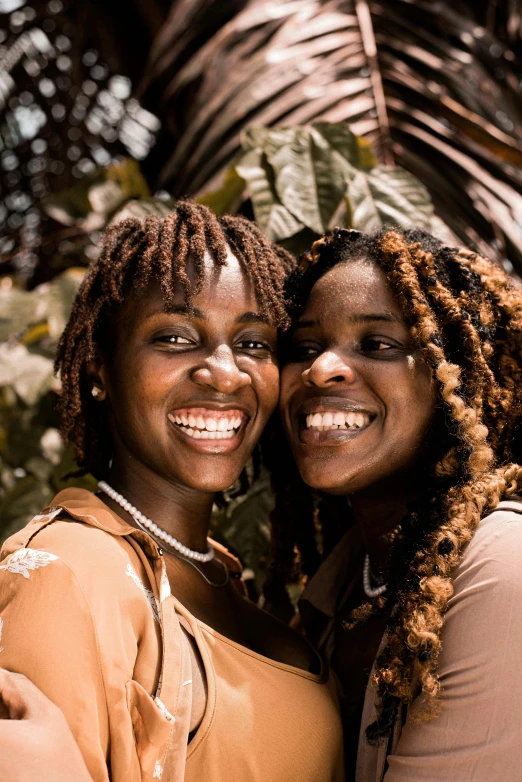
point(181, 511)
point(377, 511)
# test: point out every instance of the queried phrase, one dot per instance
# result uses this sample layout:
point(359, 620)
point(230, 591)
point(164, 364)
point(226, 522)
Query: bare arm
point(36, 744)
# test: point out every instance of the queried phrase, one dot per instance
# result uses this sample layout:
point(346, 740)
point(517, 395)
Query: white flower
point(149, 594)
point(166, 713)
point(164, 584)
point(26, 559)
point(1, 628)
point(158, 770)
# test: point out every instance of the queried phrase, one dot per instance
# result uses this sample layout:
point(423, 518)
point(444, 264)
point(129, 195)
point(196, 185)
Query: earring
point(95, 391)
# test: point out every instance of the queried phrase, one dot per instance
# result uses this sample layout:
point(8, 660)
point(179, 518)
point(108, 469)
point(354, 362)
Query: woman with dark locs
point(115, 604)
point(401, 401)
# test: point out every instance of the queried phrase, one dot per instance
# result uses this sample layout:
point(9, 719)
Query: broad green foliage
point(312, 178)
point(32, 457)
point(98, 196)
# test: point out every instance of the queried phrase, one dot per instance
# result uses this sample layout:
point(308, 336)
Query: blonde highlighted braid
point(466, 317)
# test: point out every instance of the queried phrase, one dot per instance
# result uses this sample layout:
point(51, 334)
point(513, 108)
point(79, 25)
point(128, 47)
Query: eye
point(379, 344)
point(382, 346)
point(254, 346)
point(301, 351)
point(174, 339)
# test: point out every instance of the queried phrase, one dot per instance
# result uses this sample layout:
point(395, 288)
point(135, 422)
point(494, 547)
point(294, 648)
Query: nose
point(221, 372)
point(327, 370)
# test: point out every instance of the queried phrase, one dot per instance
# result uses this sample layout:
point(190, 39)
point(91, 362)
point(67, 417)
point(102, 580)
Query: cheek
point(291, 379)
point(416, 396)
point(266, 385)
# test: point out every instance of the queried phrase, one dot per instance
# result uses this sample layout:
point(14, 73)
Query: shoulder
point(498, 538)
point(281, 642)
point(73, 558)
point(492, 563)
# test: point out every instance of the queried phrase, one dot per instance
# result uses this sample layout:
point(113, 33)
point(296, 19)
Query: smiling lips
point(204, 424)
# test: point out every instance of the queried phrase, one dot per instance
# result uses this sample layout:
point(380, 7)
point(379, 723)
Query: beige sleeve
point(47, 633)
point(478, 735)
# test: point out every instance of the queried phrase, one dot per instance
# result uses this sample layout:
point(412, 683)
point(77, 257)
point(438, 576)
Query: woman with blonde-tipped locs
point(401, 393)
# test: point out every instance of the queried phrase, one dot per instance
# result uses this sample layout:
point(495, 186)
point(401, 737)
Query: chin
point(326, 477)
point(212, 483)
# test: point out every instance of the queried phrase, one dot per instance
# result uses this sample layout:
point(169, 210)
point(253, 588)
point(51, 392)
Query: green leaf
point(97, 196)
point(387, 196)
point(60, 296)
point(271, 215)
point(19, 309)
point(144, 207)
point(29, 374)
point(227, 198)
point(355, 149)
point(289, 152)
point(27, 498)
point(244, 527)
point(309, 167)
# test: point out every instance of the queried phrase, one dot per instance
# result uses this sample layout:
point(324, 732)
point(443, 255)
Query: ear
point(97, 376)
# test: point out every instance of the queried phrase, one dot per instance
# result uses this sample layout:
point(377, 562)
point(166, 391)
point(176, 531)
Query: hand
point(36, 744)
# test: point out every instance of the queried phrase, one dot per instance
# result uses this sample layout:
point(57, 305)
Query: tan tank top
point(264, 721)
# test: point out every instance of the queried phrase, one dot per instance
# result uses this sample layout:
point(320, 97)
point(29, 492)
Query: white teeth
point(207, 428)
point(331, 421)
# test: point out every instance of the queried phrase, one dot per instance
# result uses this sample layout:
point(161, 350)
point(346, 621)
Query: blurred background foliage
point(300, 114)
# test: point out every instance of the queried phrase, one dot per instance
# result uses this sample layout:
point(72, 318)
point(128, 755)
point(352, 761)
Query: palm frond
point(434, 85)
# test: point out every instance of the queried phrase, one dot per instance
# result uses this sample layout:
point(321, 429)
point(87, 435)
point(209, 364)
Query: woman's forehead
point(354, 285)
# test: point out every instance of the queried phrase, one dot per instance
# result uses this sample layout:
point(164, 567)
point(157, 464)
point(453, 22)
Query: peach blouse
point(86, 612)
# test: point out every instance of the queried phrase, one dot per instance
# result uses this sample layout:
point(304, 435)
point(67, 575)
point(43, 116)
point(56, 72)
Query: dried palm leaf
point(432, 84)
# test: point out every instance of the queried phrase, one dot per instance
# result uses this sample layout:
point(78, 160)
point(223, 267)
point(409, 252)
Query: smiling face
point(357, 400)
point(188, 397)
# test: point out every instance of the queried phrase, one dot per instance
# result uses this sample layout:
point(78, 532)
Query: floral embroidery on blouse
point(158, 770)
point(163, 709)
point(26, 559)
point(53, 513)
point(149, 594)
point(164, 584)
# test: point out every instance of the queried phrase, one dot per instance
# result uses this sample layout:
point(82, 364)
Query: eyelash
point(171, 340)
point(303, 352)
point(254, 344)
point(260, 345)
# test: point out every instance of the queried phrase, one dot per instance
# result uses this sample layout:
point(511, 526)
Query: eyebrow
point(370, 317)
point(246, 317)
point(252, 317)
point(182, 309)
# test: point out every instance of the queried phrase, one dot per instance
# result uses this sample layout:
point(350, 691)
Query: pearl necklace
point(367, 582)
point(142, 520)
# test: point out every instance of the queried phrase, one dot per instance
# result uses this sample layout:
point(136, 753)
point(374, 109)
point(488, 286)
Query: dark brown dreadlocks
point(466, 317)
point(134, 253)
